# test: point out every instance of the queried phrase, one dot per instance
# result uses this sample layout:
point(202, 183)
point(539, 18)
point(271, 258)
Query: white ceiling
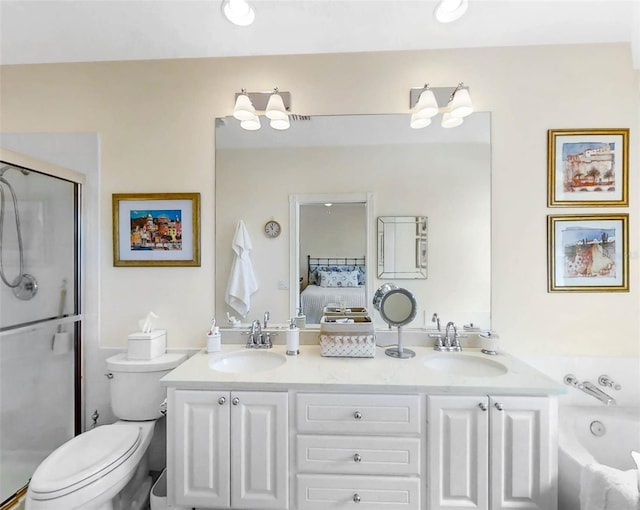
point(51, 31)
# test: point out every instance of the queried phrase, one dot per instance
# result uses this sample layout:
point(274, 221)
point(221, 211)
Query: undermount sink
point(465, 365)
point(247, 361)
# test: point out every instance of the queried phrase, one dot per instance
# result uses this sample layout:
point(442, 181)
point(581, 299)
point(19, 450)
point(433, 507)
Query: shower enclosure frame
point(77, 319)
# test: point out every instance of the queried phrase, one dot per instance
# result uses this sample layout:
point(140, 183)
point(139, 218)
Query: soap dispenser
point(293, 339)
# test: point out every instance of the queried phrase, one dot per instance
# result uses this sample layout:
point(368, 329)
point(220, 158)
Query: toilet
point(106, 468)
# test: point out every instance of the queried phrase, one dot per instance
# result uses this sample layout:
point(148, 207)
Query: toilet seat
point(83, 459)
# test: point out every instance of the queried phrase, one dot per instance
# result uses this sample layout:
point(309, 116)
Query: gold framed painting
point(156, 229)
point(588, 253)
point(587, 167)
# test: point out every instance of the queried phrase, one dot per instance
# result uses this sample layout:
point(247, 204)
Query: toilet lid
point(84, 458)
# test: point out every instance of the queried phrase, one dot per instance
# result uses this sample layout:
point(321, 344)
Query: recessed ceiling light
point(238, 12)
point(450, 10)
point(328, 204)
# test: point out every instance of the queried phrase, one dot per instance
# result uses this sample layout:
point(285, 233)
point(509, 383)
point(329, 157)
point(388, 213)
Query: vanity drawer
point(358, 413)
point(322, 492)
point(358, 455)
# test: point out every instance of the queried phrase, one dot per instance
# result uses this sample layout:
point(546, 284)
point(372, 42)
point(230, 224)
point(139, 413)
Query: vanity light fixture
point(274, 104)
point(450, 10)
point(424, 103)
point(244, 109)
point(238, 12)
point(277, 112)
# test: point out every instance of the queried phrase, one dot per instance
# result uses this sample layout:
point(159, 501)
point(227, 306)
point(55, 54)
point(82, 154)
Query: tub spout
point(594, 391)
point(589, 389)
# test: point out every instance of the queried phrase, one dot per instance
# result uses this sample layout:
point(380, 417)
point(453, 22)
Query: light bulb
point(450, 10)
point(238, 12)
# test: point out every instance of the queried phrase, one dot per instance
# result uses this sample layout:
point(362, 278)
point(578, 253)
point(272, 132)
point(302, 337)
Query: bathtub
point(605, 435)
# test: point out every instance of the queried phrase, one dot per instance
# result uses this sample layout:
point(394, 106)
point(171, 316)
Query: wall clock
point(272, 228)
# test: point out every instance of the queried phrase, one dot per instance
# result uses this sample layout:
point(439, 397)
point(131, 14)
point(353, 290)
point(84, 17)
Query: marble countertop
point(310, 371)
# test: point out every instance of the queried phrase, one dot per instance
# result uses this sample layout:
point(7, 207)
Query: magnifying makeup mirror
point(397, 307)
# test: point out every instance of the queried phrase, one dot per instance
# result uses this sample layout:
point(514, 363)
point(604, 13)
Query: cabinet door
point(201, 448)
point(523, 453)
point(458, 452)
point(260, 459)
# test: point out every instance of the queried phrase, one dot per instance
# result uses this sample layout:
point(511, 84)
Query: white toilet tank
point(136, 392)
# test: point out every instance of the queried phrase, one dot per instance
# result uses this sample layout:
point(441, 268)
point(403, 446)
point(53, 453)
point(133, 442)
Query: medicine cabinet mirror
point(402, 247)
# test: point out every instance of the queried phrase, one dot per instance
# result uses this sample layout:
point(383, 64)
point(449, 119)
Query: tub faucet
point(590, 389)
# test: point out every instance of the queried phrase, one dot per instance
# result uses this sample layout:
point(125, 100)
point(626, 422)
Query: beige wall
point(156, 125)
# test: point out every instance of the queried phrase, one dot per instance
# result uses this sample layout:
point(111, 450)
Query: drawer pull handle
point(356, 498)
point(221, 401)
point(357, 458)
point(235, 401)
point(499, 406)
point(482, 406)
point(357, 415)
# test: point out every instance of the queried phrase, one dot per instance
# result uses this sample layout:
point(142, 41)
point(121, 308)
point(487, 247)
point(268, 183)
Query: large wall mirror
point(443, 174)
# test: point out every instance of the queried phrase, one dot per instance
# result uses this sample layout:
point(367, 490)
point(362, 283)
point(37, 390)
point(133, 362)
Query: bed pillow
point(338, 278)
point(314, 277)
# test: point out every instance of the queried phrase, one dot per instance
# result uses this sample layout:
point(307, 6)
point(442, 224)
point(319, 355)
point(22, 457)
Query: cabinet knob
point(482, 406)
point(357, 458)
point(222, 400)
point(357, 415)
point(235, 401)
point(499, 406)
point(356, 498)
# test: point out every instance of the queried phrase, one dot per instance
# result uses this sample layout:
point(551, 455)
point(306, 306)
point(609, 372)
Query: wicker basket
point(347, 345)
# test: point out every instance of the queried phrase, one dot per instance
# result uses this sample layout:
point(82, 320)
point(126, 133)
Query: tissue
point(148, 343)
point(146, 324)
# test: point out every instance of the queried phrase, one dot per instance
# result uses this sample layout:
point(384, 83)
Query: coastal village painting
point(156, 229)
point(589, 166)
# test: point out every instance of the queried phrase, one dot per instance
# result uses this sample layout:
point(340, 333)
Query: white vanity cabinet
point(492, 453)
point(359, 449)
point(228, 449)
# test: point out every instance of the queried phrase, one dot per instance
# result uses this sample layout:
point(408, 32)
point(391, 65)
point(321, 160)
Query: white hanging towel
point(242, 280)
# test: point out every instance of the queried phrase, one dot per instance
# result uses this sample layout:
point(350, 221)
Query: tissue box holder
point(349, 340)
point(147, 345)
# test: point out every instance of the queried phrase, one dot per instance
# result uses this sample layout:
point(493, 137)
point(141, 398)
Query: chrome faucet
point(265, 319)
point(446, 342)
point(452, 343)
point(258, 339)
point(590, 389)
point(436, 319)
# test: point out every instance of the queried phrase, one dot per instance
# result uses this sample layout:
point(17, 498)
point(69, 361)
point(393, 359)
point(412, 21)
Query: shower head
point(24, 171)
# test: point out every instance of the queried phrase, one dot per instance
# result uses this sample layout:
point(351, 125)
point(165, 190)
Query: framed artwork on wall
point(588, 253)
point(156, 229)
point(587, 167)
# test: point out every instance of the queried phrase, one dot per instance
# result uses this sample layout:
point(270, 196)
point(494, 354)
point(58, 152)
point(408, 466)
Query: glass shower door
point(40, 321)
